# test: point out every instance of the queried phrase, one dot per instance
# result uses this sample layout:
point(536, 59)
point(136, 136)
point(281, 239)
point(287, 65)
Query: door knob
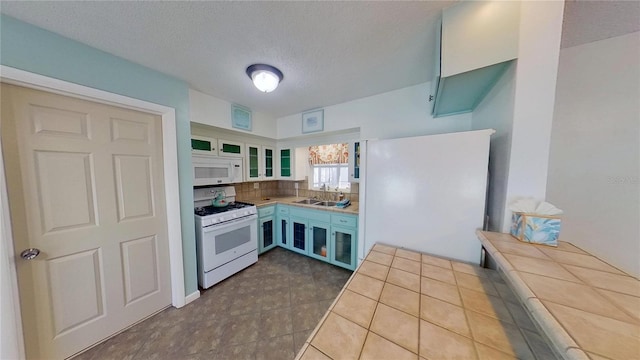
point(30, 253)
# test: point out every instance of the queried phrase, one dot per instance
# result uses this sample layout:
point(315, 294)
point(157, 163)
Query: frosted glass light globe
point(265, 81)
point(265, 77)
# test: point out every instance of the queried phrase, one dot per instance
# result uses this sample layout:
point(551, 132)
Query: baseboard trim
point(191, 297)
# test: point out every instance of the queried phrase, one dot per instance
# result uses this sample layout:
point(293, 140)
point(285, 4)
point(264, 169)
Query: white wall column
point(537, 68)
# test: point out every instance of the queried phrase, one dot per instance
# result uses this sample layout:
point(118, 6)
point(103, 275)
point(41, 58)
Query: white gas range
point(226, 234)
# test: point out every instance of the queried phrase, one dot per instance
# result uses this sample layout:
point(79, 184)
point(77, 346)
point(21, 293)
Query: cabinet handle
point(430, 98)
point(343, 221)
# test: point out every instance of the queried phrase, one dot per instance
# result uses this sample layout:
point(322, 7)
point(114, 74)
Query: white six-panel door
point(85, 185)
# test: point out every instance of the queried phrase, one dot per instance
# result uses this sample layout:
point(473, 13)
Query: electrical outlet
point(256, 185)
point(295, 185)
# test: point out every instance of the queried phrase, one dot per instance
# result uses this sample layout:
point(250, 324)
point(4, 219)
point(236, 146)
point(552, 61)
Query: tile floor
point(267, 311)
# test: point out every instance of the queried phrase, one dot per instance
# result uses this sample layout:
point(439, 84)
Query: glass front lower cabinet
point(283, 231)
point(266, 229)
point(343, 244)
point(299, 235)
point(324, 235)
point(319, 240)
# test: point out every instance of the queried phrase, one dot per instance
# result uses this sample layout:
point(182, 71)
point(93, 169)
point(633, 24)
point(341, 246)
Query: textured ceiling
point(329, 52)
point(587, 21)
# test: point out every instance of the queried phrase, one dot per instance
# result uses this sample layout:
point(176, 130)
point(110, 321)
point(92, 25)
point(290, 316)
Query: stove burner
point(209, 210)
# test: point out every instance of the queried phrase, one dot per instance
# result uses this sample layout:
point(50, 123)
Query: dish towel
point(343, 203)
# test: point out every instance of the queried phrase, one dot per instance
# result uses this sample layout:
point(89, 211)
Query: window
point(331, 175)
point(329, 166)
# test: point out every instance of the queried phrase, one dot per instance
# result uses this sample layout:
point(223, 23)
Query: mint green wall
point(36, 50)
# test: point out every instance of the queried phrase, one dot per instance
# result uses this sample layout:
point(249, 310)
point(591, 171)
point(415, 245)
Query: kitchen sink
point(326, 203)
point(308, 201)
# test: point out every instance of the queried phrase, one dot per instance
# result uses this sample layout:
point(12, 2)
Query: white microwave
point(214, 170)
point(204, 145)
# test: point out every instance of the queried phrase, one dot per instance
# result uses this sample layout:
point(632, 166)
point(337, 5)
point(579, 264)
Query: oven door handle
point(217, 227)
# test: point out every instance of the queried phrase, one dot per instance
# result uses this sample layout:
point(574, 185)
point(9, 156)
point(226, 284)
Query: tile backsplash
point(246, 191)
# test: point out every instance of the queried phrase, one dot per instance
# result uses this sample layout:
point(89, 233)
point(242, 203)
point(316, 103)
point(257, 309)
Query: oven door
point(225, 242)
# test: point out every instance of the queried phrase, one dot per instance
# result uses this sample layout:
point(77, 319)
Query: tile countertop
point(588, 308)
point(401, 304)
point(291, 200)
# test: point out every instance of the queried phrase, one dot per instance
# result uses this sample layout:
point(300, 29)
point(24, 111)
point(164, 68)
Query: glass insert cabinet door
point(268, 162)
point(356, 163)
point(299, 235)
point(319, 236)
point(344, 250)
point(253, 156)
point(285, 162)
point(230, 148)
point(283, 232)
point(267, 230)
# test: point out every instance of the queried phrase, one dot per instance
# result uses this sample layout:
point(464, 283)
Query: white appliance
point(226, 234)
point(215, 170)
point(427, 193)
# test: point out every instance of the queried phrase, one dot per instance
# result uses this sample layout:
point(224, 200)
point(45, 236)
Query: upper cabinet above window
point(476, 43)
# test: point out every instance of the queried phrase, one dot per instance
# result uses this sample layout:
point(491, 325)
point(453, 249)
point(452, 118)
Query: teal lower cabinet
point(320, 234)
point(283, 233)
point(343, 247)
point(299, 235)
point(319, 239)
point(266, 229)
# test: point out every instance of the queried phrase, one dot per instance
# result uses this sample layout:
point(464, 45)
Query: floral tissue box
point(537, 229)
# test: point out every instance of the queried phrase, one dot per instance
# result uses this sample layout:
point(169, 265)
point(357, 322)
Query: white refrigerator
point(427, 193)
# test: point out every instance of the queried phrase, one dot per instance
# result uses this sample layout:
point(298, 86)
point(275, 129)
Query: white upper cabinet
point(477, 40)
point(292, 163)
point(230, 148)
point(476, 34)
point(260, 164)
point(354, 161)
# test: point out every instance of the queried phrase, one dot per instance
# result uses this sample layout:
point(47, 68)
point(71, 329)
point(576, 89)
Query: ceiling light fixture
point(265, 77)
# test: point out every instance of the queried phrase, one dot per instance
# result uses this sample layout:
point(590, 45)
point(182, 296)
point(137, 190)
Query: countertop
point(400, 304)
point(588, 308)
point(291, 200)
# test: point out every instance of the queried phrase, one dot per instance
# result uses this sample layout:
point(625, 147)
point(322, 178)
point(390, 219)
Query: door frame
point(27, 79)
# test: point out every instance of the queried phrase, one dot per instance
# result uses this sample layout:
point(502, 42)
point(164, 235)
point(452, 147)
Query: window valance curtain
point(329, 154)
